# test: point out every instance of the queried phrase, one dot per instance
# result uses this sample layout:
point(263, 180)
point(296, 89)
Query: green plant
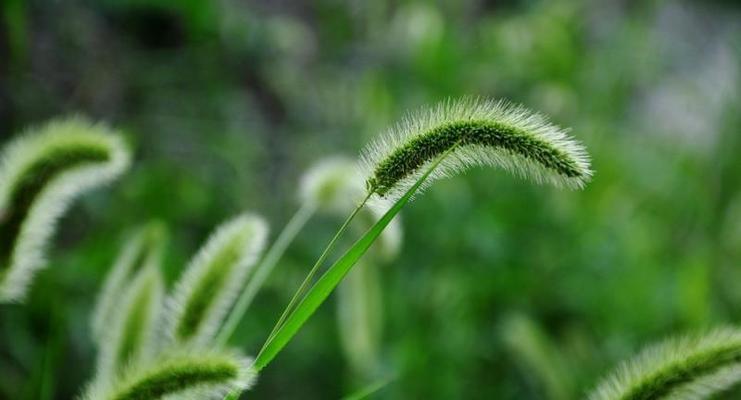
point(206, 305)
point(141, 251)
point(692, 367)
point(333, 185)
point(211, 283)
point(330, 187)
point(473, 132)
point(41, 173)
point(193, 374)
point(129, 336)
point(151, 351)
point(435, 144)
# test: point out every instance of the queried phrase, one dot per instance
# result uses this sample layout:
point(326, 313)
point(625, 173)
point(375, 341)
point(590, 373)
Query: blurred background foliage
point(503, 289)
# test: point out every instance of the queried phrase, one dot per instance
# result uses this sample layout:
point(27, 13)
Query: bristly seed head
point(129, 333)
point(143, 249)
point(178, 374)
point(41, 172)
point(212, 281)
point(689, 368)
point(475, 132)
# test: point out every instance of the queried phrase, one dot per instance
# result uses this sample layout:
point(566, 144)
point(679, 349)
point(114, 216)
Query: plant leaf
point(263, 270)
point(326, 284)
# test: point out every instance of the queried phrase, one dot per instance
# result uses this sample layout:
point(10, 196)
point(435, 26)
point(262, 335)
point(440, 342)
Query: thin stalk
point(274, 254)
point(309, 278)
point(290, 324)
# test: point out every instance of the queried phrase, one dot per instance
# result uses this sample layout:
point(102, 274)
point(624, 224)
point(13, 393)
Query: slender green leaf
point(326, 284)
point(263, 271)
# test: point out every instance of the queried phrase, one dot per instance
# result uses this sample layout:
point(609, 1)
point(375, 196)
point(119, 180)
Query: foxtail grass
point(687, 368)
point(129, 335)
point(143, 249)
point(211, 283)
point(197, 375)
point(476, 133)
point(426, 146)
point(41, 173)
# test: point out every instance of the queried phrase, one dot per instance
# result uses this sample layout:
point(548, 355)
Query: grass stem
point(310, 276)
point(274, 254)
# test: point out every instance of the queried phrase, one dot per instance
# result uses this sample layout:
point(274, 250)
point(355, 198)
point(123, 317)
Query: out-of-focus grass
point(227, 105)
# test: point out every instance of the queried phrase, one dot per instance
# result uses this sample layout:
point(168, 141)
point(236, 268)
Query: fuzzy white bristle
point(250, 232)
point(675, 354)
point(422, 122)
point(173, 358)
point(145, 246)
point(27, 255)
point(147, 284)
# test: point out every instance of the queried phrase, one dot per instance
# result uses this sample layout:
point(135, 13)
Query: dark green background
point(227, 102)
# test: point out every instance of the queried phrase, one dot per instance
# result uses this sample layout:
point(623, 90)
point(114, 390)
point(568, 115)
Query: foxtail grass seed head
point(688, 368)
point(128, 336)
point(143, 249)
point(196, 375)
point(41, 173)
point(214, 278)
point(477, 133)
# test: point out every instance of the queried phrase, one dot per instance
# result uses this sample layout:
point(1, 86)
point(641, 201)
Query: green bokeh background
point(503, 289)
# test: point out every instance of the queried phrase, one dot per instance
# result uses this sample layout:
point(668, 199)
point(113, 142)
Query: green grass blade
point(299, 295)
point(274, 254)
point(329, 281)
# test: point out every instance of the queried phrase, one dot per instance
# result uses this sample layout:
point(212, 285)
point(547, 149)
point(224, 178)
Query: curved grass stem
point(274, 254)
